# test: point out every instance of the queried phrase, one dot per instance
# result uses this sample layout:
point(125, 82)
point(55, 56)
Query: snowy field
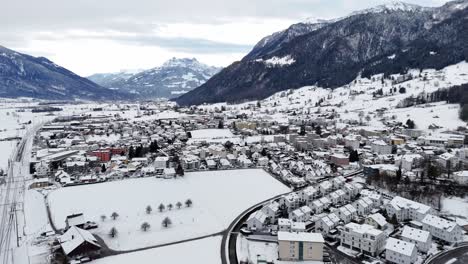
point(212, 135)
point(455, 206)
point(204, 251)
point(215, 195)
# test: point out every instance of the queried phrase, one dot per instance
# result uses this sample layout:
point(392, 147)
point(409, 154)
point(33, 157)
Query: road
point(12, 197)
point(460, 254)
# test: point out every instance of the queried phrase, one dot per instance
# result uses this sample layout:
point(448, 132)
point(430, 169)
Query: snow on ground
point(7, 148)
point(351, 99)
point(212, 136)
point(215, 196)
point(35, 213)
point(455, 206)
point(204, 251)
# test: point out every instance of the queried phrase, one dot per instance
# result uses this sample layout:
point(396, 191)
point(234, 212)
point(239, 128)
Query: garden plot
point(218, 198)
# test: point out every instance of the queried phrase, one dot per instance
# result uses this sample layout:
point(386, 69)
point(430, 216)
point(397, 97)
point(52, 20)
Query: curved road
point(460, 254)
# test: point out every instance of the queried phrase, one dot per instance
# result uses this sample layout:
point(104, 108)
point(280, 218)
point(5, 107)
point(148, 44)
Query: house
point(308, 194)
point(422, 239)
point(461, 177)
point(339, 159)
point(442, 229)
point(363, 207)
point(169, 173)
point(77, 242)
point(344, 214)
point(377, 221)
point(300, 246)
point(257, 221)
point(324, 225)
point(363, 238)
point(291, 201)
point(284, 224)
point(380, 147)
point(271, 210)
point(77, 220)
point(161, 162)
point(42, 169)
point(400, 252)
point(325, 187)
point(405, 209)
point(316, 206)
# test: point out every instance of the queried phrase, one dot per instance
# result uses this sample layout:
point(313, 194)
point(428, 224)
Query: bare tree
point(161, 207)
point(145, 226)
point(103, 218)
point(113, 232)
point(166, 222)
point(170, 206)
point(179, 205)
point(188, 203)
point(149, 209)
point(114, 215)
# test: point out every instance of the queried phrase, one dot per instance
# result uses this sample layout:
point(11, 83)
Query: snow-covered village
point(320, 146)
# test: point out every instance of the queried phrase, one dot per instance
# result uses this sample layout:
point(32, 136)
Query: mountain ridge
point(334, 54)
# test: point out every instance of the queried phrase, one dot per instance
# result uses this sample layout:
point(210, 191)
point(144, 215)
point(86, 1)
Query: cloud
point(217, 31)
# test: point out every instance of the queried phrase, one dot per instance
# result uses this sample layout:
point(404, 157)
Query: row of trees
point(170, 206)
point(145, 226)
point(149, 209)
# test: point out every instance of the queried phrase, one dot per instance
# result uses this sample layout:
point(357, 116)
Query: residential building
point(422, 239)
point(300, 246)
point(400, 252)
point(442, 229)
point(363, 238)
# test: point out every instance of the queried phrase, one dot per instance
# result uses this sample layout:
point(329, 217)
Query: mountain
point(22, 75)
point(387, 39)
point(173, 78)
point(108, 79)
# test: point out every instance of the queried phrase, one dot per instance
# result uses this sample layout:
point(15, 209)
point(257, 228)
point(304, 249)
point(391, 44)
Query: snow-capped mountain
point(108, 79)
point(171, 79)
point(387, 39)
point(22, 75)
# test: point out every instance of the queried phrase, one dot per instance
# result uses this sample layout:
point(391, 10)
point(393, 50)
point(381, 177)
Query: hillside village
point(363, 187)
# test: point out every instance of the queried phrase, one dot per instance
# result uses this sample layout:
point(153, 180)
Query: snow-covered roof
point(438, 222)
point(74, 237)
point(379, 219)
point(300, 236)
point(415, 234)
point(400, 246)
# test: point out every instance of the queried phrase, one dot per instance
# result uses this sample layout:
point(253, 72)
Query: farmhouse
point(77, 242)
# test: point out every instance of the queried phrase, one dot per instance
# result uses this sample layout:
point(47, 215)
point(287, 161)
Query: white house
point(377, 221)
point(461, 177)
point(440, 228)
point(363, 238)
point(325, 187)
point(257, 221)
point(284, 224)
point(400, 252)
point(381, 147)
point(405, 209)
point(291, 201)
point(271, 210)
point(161, 162)
point(422, 239)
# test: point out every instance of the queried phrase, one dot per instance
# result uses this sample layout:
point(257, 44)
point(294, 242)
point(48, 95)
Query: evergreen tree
point(131, 153)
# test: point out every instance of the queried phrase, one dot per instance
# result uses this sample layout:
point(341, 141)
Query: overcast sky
point(91, 36)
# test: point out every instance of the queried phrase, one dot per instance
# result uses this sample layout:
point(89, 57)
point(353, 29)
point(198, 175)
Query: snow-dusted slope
point(357, 99)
